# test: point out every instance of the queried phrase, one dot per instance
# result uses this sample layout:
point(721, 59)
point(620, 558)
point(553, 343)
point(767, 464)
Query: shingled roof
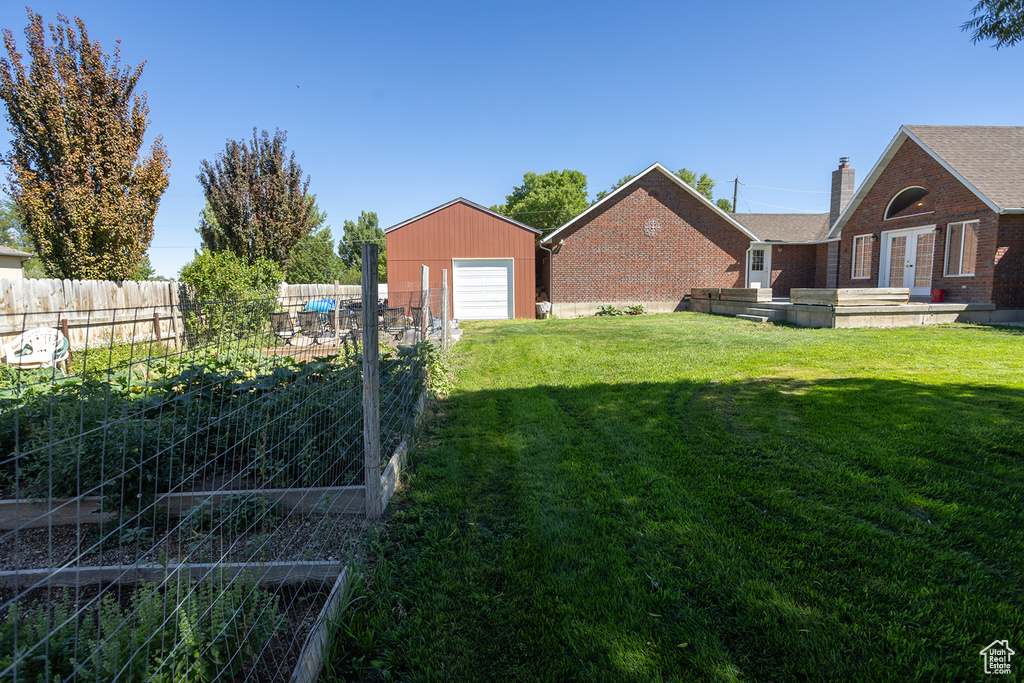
point(9, 251)
point(991, 158)
point(785, 227)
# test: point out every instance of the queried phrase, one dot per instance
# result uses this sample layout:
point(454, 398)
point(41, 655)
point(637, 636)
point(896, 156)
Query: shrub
point(635, 310)
point(608, 310)
point(224, 295)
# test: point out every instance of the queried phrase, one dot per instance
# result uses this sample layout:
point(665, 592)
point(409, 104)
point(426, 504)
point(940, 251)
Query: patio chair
point(40, 347)
point(394, 322)
point(314, 326)
point(281, 325)
point(416, 312)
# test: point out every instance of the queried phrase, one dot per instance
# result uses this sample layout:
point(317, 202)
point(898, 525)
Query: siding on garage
point(461, 230)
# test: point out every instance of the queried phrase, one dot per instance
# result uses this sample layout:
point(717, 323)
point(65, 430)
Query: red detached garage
point(489, 259)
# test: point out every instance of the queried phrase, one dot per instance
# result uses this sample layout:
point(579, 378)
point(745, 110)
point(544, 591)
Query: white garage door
point(482, 289)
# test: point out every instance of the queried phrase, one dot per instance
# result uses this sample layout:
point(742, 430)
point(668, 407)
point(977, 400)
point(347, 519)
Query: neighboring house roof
point(653, 168)
point(9, 251)
point(785, 227)
point(988, 160)
point(461, 200)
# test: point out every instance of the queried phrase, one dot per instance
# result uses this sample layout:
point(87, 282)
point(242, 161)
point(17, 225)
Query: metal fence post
point(371, 384)
point(445, 325)
point(337, 314)
point(424, 301)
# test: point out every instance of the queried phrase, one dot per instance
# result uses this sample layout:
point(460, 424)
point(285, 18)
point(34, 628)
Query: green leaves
point(1001, 21)
point(365, 229)
point(547, 201)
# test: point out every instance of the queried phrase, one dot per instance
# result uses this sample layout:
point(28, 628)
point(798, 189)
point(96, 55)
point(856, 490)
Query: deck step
point(754, 318)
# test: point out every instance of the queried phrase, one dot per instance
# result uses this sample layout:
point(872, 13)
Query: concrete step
point(772, 313)
point(754, 318)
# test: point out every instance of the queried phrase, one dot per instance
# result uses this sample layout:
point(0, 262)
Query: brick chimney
point(842, 190)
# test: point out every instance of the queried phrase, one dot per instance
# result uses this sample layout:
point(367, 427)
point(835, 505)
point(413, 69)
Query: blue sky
point(399, 107)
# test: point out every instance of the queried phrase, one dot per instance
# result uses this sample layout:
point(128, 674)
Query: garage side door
point(482, 289)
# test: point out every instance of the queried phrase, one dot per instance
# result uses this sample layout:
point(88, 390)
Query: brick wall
point(948, 201)
point(794, 266)
point(1008, 286)
point(655, 243)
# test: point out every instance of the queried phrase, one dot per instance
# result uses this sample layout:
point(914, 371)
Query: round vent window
point(652, 227)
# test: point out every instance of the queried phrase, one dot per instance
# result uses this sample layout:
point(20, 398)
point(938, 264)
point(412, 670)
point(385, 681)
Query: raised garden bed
point(869, 296)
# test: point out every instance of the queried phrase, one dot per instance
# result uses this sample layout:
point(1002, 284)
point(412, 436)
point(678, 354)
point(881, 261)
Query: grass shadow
point(772, 529)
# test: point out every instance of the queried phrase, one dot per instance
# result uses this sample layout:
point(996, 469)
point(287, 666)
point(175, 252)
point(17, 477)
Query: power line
point(782, 189)
point(787, 208)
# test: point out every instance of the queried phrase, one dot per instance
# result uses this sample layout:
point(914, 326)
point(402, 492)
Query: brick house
point(655, 238)
point(943, 208)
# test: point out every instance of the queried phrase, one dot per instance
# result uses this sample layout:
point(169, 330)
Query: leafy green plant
point(216, 627)
point(607, 310)
point(224, 296)
point(635, 310)
point(39, 641)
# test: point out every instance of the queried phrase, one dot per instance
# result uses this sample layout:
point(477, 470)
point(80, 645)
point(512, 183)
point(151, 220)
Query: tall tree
point(13, 235)
point(548, 200)
point(10, 226)
point(366, 228)
point(85, 198)
point(313, 260)
point(257, 199)
point(1001, 21)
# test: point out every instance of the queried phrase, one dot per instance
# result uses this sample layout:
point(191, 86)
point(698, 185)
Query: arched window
point(907, 202)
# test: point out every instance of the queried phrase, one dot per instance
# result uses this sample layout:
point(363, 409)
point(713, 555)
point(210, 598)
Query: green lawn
point(690, 497)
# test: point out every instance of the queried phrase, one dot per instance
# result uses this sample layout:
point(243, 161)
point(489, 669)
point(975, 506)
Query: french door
point(907, 259)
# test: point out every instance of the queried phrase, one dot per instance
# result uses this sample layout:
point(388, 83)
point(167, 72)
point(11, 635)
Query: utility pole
point(735, 193)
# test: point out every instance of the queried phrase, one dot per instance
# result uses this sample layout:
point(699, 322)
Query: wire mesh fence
point(180, 488)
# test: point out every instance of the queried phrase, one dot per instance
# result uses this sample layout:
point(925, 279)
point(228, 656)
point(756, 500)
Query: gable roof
point(10, 251)
point(653, 168)
point(987, 160)
point(785, 227)
point(461, 200)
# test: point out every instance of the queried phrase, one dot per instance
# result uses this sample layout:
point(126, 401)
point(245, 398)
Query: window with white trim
point(757, 259)
point(961, 248)
point(861, 257)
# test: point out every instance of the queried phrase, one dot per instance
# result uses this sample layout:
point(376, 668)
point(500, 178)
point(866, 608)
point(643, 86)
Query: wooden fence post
point(371, 384)
point(444, 311)
point(173, 290)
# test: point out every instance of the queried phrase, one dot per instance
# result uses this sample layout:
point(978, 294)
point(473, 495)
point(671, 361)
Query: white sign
point(997, 657)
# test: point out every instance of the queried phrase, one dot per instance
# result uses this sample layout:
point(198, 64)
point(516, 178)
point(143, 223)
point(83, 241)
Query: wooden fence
point(97, 311)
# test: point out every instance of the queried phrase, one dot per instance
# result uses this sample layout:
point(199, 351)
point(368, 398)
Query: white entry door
point(907, 260)
point(759, 266)
point(482, 289)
